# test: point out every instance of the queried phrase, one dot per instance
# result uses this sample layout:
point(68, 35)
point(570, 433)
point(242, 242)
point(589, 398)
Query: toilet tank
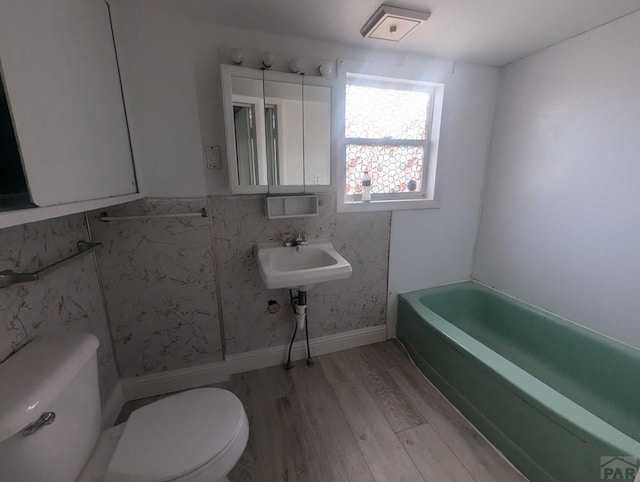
point(53, 373)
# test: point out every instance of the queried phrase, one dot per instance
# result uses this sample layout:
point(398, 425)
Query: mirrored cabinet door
point(278, 129)
point(317, 136)
point(284, 132)
point(248, 147)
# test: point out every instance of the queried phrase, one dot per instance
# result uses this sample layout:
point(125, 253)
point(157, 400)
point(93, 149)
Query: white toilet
point(50, 424)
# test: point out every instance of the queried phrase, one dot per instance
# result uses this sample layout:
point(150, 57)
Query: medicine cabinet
point(278, 131)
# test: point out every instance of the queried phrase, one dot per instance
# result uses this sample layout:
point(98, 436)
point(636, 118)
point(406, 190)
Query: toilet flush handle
point(47, 418)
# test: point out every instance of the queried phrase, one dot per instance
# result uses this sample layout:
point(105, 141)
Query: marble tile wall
point(160, 288)
point(163, 299)
point(158, 279)
point(68, 298)
point(357, 302)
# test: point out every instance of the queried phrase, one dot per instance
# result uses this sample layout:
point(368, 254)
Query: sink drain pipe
point(299, 306)
point(300, 309)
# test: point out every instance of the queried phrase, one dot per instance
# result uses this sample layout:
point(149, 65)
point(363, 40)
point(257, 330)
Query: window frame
point(429, 196)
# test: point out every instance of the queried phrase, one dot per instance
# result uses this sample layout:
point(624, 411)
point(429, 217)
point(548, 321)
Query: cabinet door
point(61, 76)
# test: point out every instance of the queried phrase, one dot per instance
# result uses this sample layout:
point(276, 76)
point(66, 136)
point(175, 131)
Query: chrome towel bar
point(9, 277)
point(105, 219)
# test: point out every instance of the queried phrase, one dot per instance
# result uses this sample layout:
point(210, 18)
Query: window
point(390, 130)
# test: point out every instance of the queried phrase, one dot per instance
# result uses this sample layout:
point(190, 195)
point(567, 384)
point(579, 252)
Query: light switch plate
point(212, 156)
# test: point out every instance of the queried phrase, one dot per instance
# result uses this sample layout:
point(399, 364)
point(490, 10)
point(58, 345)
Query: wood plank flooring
point(365, 414)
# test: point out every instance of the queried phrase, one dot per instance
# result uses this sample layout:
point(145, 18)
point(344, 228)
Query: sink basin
point(286, 267)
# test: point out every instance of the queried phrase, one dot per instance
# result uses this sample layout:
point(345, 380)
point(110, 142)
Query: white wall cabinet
point(157, 68)
point(60, 72)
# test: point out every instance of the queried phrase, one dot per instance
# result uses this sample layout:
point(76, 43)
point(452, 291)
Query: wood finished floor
point(365, 414)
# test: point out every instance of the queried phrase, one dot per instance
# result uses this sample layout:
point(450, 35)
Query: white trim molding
point(113, 406)
point(175, 380)
point(208, 374)
point(276, 355)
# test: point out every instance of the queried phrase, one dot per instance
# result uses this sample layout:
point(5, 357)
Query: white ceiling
point(490, 32)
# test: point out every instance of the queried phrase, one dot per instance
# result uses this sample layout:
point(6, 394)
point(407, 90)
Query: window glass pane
point(378, 113)
point(392, 169)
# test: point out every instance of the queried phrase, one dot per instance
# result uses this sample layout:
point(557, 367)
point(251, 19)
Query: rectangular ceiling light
point(392, 23)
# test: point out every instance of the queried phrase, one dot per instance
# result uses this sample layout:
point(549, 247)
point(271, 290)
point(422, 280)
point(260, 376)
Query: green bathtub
point(552, 396)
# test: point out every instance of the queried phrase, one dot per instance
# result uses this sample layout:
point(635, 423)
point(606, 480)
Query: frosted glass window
point(387, 127)
point(392, 168)
point(379, 113)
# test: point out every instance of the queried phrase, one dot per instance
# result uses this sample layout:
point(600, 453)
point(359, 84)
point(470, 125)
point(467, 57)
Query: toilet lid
point(176, 435)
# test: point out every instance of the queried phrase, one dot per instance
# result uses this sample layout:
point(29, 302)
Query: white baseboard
point(276, 355)
point(113, 406)
point(174, 380)
point(198, 376)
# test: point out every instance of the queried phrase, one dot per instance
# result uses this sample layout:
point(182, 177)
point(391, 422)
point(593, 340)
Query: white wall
point(157, 67)
point(560, 223)
point(431, 247)
point(428, 247)
point(212, 41)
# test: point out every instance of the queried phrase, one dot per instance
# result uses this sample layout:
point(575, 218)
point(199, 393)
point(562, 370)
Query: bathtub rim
point(565, 412)
point(536, 308)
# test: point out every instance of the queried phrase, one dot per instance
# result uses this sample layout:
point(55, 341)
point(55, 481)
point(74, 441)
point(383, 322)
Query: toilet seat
point(177, 436)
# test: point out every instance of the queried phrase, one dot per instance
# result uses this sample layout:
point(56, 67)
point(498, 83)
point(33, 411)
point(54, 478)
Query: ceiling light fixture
point(392, 23)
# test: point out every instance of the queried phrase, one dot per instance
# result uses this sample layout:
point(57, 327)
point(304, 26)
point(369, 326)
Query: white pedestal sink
point(300, 267)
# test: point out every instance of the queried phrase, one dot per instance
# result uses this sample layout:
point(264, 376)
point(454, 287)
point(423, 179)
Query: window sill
point(386, 205)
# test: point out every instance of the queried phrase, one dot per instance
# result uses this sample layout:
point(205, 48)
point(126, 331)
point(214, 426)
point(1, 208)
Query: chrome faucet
point(298, 241)
point(287, 240)
point(301, 240)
